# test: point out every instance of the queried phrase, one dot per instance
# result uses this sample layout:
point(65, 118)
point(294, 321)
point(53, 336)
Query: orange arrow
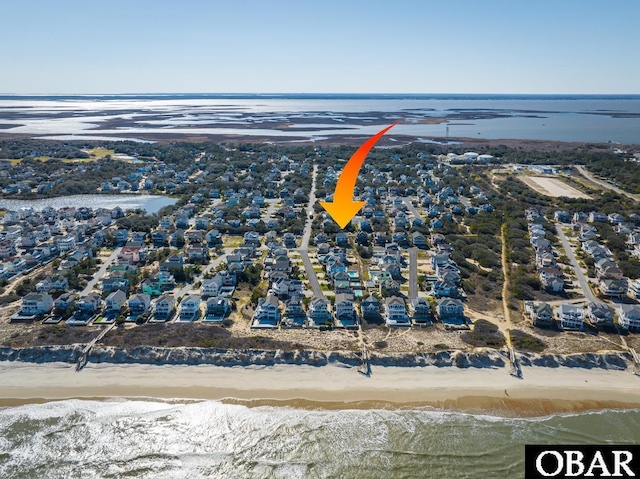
point(343, 208)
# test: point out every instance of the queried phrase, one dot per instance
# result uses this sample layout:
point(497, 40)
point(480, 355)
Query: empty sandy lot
point(552, 187)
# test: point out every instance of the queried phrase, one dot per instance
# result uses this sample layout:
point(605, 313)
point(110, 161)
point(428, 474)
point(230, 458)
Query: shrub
point(526, 342)
point(484, 334)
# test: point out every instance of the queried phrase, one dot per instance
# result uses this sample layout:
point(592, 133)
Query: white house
point(344, 307)
point(36, 303)
point(318, 311)
point(115, 300)
point(396, 312)
point(570, 316)
point(66, 243)
point(629, 317)
point(267, 314)
point(190, 308)
point(164, 307)
point(52, 282)
point(139, 304)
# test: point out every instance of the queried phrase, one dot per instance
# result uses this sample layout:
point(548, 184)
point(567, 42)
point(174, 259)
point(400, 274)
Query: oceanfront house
point(396, 312)
point(345, 314)
point(139, 304)
point(164, 308)
point(64, 302)
point(51, 283)
point(629, 317)
point(318, 311)
point(115, 301)
point(542, 315)
point(599, 315)
point(450, 309)
point(294, 314)
point(634, 289)
point(34, 304)
point(267, 313)
point(370, 307)
point(216, 309)
point(570, 316)
point(89, 304)
point(421, 311)
point(613, 288)
point(190, 308)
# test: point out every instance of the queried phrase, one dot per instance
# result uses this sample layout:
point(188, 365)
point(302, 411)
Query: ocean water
point(178, 439)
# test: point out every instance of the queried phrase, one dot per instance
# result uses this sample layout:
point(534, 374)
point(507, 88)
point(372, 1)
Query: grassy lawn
point(232, 241)
point(100, 152)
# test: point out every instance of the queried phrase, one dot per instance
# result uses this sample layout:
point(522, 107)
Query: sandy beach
point(542, 391)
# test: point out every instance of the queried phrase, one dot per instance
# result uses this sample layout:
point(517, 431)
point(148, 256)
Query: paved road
point(311, 274)
point(272, 203)
point(584, 284)
point(413, 273)
point(412, 208)
point(605, 184)
point(188, 288)
point(306, 236)
point(101, 272)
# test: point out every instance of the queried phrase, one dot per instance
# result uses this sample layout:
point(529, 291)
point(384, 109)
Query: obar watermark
point(582, 461)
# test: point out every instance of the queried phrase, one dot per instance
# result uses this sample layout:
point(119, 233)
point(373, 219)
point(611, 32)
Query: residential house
point(389, 287)
point(570, 316)
point(444, 289)
point(318, 311)
point(89, 304)
point(396, 312)
point(114, 283)
point(190, 308)
point(421, 311)
point(450, 309)
point(542, 315)
point(345, 313)
point(599, 315)
point(63, 302)
point(370, 307)
point(216, 309)
point(267, 313)
point(164, 308)
point(139, 304)
point(629, 317)
point(34, 304)
point(51, 283)
point(419, 241)
point(608, 269)
point(613, 288)
point(115, 300)
point(294, 313)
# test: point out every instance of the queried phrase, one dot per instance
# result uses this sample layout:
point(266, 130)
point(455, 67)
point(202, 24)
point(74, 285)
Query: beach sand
point(542, 391)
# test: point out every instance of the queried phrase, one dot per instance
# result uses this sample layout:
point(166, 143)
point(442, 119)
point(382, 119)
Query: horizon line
point(315, 93)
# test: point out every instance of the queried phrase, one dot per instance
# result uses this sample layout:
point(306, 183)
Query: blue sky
point(354, 46)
